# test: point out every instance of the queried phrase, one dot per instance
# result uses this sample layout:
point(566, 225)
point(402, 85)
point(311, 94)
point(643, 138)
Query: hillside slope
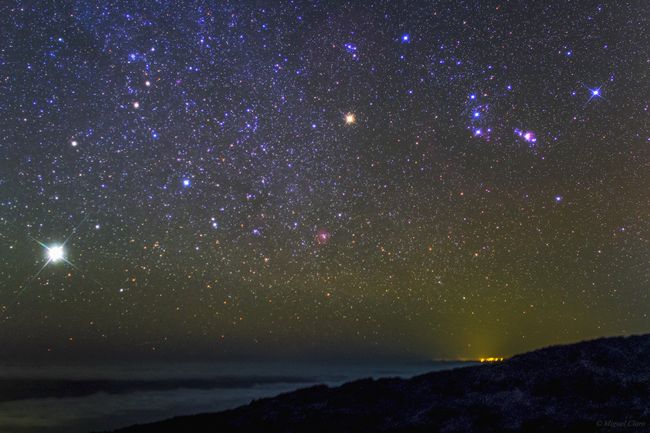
point(598, 385)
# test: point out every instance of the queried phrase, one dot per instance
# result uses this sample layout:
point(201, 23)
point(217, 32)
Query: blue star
point(406, 38)
point(187, 182)
point(350, 48)
point(595, 93)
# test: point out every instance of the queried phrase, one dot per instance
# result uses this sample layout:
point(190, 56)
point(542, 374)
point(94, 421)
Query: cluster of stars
point(361, 176)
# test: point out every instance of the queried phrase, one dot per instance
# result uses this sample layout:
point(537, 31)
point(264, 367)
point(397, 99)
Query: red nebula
point(322, 236)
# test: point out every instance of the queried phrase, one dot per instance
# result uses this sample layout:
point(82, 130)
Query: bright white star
point(55, 253)
point(594, 93)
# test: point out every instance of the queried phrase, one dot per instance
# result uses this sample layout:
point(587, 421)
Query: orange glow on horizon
point(491, 359)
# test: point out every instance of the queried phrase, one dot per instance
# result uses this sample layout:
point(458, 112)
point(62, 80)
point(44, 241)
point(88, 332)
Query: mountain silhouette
point(597, 385)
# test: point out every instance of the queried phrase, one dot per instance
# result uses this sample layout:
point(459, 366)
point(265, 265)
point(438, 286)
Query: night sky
point(321, 179)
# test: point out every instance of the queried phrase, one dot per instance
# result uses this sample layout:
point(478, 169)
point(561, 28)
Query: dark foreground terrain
point(599, 385)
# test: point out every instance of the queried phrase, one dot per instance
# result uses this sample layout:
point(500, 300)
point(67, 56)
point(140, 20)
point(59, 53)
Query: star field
point(441, 179)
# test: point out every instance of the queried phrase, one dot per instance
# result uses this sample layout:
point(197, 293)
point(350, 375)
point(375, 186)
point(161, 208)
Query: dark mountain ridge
point(597, 385)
